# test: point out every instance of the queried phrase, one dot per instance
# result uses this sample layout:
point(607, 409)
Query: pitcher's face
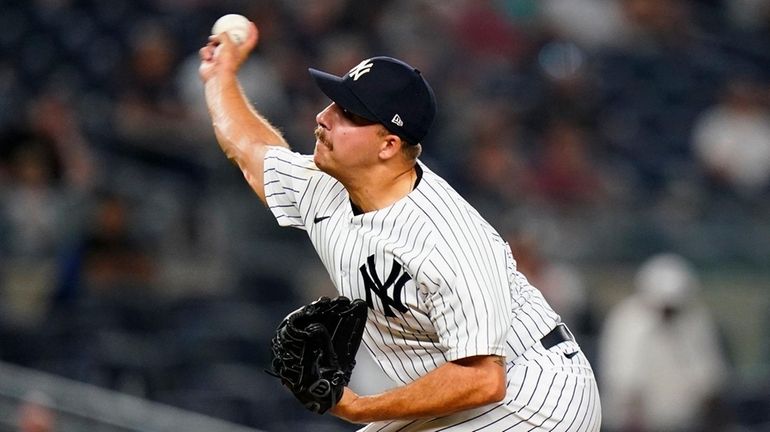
point(345, 141)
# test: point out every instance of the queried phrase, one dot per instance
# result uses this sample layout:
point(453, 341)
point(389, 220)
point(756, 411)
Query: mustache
point(320, 135)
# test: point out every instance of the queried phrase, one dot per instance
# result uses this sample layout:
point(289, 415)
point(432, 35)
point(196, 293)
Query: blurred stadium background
point(140, 279)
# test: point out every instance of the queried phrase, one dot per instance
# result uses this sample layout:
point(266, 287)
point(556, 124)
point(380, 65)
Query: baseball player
point(473, 345)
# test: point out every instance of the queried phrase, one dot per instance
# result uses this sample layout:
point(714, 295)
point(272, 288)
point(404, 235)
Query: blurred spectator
point(662, 365)
point(564, 172)
point(110, 260)
point(590, 23)
point(569, 85)
point(54, 116)
point(653, 86)
point(31, 204)
point(45, 169)
point(496, 169)
point(149, 118)
point(732, 139)
point(114, 257)
point(49, 170)
point(47, 165)
point(655, 22)
point(485, 34)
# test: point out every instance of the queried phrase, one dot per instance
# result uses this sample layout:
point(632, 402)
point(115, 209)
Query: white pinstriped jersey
point(440, 282)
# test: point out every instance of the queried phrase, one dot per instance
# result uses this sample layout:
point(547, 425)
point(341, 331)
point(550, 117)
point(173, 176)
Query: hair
point(410, 150)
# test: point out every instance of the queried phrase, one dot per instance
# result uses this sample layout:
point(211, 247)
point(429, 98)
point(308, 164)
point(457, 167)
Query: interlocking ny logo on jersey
point(372, 283)
point(361, 69)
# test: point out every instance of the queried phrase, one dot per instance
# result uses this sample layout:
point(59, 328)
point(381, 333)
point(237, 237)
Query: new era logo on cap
point(387, 91)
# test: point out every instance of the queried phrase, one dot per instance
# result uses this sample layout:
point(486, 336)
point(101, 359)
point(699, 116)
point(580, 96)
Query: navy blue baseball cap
point(384, 90)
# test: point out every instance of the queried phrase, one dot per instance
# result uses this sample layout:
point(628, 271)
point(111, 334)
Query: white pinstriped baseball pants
point(548, 390)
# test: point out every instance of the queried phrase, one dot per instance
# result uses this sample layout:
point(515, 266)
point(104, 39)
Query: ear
point(390, 146)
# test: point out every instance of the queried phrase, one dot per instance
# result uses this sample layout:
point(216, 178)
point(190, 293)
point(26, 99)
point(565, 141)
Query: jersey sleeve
point(469, 300)
point(286, 178)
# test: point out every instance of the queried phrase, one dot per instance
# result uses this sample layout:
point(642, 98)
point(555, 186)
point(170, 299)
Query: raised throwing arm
point(242, 133)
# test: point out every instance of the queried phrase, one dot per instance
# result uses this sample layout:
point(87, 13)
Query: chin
point(320, 151)
point(323, 164)
point(318, 159)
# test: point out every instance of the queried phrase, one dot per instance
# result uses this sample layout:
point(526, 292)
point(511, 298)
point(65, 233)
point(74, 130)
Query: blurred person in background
point(47, 173)
point(109, 259)
point(589, 23)
point(47, 167)
point(31, 211)
point(731, 139)
point(497, 172)
point(564, 171)
point(653, 84)
point(148, 107)
point(31, 204)
point(663, 368)
point(54, 115)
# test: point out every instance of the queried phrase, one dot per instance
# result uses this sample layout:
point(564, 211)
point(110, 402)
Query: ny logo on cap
point(360, 69)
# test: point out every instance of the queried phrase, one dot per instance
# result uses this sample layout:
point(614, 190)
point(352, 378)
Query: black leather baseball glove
point(314, 349)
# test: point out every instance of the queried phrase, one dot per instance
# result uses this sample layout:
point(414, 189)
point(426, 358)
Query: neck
point(375, 192)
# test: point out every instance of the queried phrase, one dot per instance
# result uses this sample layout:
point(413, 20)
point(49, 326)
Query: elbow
point(486, 378)
point(496, 380)
point(500, 393)
point(485, 394)
point(495, 390)
point(490, 388)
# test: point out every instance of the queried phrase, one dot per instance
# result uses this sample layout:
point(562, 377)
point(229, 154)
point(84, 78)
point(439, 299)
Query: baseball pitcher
point(429, 288)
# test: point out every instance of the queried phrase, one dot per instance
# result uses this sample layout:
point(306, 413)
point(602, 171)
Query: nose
point(322, 118)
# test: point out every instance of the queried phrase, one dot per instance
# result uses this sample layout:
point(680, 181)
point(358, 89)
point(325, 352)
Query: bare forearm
point(237, 125)
point(242, 133)
point(453, 387)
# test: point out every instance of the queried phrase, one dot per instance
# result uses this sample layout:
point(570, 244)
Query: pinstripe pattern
point(460, 295)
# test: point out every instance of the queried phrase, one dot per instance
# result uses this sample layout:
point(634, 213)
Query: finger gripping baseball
point(314, 348)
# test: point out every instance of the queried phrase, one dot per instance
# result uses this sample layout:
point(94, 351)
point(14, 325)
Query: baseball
point(236, 26)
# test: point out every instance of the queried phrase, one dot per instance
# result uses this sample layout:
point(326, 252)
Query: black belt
point(556, 336)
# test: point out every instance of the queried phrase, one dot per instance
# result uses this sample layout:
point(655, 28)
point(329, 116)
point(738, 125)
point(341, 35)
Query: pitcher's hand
point(222, 56)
